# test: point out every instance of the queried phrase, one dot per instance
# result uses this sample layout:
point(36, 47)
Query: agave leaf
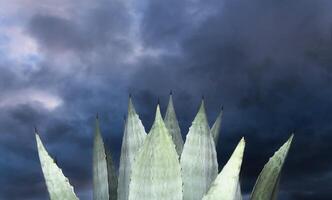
point(215, 130)
point(198, 160)
point(267, 182)
point(58, 185)
point(104, 178)
point(156, 172)
point(112, 178)
point(238, 195)
point(276, 189)
point(133, 138)
point(172, 125)
point(226, 185)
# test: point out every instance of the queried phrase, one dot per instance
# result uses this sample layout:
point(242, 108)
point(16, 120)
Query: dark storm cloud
point(268, 63)
point(56, 33)
point(98, 38)
point(106, 21)
point(17, 147)
point(264, 60)
point(157, 26)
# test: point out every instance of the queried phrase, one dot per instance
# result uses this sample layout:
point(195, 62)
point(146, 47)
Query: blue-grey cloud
point(267, 62)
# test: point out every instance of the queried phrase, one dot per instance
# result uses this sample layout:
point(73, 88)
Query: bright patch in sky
point(18, 47)
point(31, 96)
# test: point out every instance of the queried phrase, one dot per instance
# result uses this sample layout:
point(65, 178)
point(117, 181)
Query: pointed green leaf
point(215, 130)
point(104, 179)
point(133, 138)
point(267, 182)
point(112, 178)
point(156, 172)
point(58, 185)
point(226, 185)
point(198, 160)
point(172, 125)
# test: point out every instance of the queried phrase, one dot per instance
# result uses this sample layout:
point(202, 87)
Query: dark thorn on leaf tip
point(55, 160)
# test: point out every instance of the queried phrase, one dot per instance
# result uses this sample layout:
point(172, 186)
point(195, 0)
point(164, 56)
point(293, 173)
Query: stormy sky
point(268, 62)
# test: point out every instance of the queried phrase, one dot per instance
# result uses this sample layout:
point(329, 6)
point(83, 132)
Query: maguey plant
point(160, 166)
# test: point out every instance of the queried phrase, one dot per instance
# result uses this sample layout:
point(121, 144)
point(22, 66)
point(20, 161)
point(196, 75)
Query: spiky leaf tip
point(58, 185)
point(226, 185)
point(104, 179)
point(156, 172)
point(215, 130)
point(266, 186)
point(198, 159)
point(173, 127)
point(133, 138)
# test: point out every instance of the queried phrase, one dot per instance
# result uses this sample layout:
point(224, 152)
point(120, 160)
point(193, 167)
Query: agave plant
point(160, 166)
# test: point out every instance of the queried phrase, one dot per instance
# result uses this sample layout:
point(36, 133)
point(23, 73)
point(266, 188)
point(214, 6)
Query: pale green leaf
point(104, 178)
point(156, 172)
point(133, 138)
point(58, 185)
point(215, 130)
point(238, 195)
point(172, 125)
point(198, 160)
point(267, 182)
point(112, 178)
point(226, 185)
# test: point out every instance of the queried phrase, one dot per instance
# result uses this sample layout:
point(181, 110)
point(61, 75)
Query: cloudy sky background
point(269, 62)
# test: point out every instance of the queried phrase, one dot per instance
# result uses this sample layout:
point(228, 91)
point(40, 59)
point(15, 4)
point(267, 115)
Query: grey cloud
point(267, 62)
point(263, 60)
point(106, 23)
point(57, 33)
